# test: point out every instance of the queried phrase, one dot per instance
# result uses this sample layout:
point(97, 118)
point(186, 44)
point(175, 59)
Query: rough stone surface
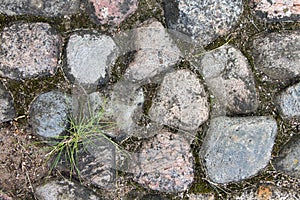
point(49, 114)
point(267, 192)
point(67, 190)
point(277, 10)
point(28, 50)
point(156, 53)
point(203, 20)
point(89, 58)
point(7, 109)
point(165, 163)
point(45, 8)
point(228, 76)
point(4, 196)
point(112, 12)
point(181, 101)
point(288, 102)
point(97, 166)
point(270, 58)
point(289, 158)
point(201, 196)
point(237, 148)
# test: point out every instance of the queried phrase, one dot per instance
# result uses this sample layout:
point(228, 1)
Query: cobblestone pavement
point(149, 99)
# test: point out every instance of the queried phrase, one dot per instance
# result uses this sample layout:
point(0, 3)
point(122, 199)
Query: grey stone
point(237, 148)
point(89, 59)
point(7, 109)
point(207, 196)
point(278, 55)
point(65, 189)
point(181, 101)
point(267, 192)
point(49, 114)
point(165, 163)
point(288, 102)
point(29, 50)
point(276, 10)
point(45, 8)
point(289, 158)
point(156, 53)
point(97, 163)
point(228, 76)
point(202, 20)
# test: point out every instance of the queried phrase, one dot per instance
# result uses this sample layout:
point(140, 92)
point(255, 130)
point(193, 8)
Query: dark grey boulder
point(29, 50)
point(237, 148)
point(277, 55)
point(203, 20)
point(7, 109)
point(288, 102)
point(49, 114)
point(64, 189)
point(288, 160)
point(229, 77)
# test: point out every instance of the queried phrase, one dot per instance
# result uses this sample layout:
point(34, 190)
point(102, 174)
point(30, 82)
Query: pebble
point(64, 189)
point(278, 55)
point(181, 101)
point(204, 21)
point(237, 148)
point(288, 160)
point(90, 58)
point(29, 50)
point(228, 76)
point(288, 102)
point(112, 12)
point(49, 114)
point(7, 109)
point(165, 163)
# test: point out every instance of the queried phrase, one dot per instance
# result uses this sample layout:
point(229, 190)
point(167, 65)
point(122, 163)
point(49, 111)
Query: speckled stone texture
point(237, 148)
point(267, 192)
point(65, 189)
point(45, 8)
point(227, 74)
point(203, 20)
point(49, 114)
point(89, 59)
point(156, 53)
point(29, 50)
point(181, 101)
point(288, 102)
point(165, 163)
point(112, 12)
point(288, 160)
point(277, 10)
point(278, 55)
point(7, 109)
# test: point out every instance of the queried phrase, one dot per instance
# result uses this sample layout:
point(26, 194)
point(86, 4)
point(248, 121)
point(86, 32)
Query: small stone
point(156, 53)
point(165, 163)
point(49, 114)
point(45, 8)
point(29, 50)
point(181, 101)
point(277, 10)
point(228, 76)
point(7, 109)
point(89, 59)
point(4, 196)
point(203, 20)
point(267, 192)
point(112, 12)
point(288, 102)
point(65, 189)
point(277, 55)
point(207, 196)
point(288, 160)
point(237, 148)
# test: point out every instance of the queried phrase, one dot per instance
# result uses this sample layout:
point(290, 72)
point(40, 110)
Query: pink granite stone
point(113, 11)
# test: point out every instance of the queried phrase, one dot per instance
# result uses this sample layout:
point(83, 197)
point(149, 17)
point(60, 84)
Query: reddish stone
point(113, 11)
